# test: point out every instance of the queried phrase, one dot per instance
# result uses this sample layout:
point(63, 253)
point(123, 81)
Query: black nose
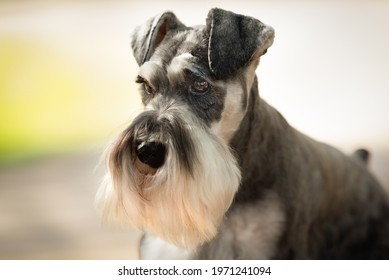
point(151, 153)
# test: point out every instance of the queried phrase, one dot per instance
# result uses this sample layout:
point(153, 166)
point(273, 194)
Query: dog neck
point(258, 144)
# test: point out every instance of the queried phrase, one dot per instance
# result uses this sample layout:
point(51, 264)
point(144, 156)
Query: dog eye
point(147, 88)
point(199, 86)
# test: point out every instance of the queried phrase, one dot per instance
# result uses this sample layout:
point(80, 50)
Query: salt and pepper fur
point(239, 182)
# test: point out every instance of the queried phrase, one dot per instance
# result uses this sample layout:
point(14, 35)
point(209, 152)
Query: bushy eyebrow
point(153, 74)
point(182, 67)
point(140, 80)
point(197, 73)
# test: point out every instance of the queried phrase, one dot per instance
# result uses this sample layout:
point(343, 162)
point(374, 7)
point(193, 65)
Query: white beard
point(183, 207)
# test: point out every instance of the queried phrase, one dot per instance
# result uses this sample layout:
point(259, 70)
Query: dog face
point(172, 171)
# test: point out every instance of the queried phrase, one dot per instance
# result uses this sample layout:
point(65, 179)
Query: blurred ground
point(47, 212)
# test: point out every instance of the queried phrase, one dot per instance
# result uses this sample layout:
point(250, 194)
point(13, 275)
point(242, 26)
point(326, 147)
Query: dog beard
point(185, 200)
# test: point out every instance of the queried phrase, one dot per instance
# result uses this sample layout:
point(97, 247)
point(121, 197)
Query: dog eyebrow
point(140, 80)
point(196, 72)
point(180, 62)
point(184, 65)
point(152, 73)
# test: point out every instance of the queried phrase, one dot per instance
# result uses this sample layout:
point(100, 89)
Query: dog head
point(172, 170)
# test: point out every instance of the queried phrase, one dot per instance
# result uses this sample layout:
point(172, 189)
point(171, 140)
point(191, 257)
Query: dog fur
point(238, 182)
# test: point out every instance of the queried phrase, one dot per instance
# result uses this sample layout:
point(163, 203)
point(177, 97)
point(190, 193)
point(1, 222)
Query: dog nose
point(151, 153)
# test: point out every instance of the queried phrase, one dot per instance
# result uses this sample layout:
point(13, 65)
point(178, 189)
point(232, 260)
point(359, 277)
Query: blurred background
point(67, 87)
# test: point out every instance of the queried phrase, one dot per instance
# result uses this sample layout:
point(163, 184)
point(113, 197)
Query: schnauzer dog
point(208, 170)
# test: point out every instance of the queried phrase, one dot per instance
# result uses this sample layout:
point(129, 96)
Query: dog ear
point(234, 41)
point(146, 38)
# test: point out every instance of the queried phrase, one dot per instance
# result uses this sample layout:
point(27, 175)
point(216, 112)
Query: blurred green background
point(47, 103)
point(56, 94)
point(67, 88)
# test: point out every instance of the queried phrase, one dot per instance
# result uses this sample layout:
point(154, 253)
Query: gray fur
point(207, 107)
point(233, 34)
point(298, 198)
point(335, 209)
point(362, 155)
point(147, 37)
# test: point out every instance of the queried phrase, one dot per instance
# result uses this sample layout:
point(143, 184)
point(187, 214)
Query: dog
point(209, 170)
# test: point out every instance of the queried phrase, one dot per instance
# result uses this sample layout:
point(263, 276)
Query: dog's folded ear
point(234, 41)
point(148, 36)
